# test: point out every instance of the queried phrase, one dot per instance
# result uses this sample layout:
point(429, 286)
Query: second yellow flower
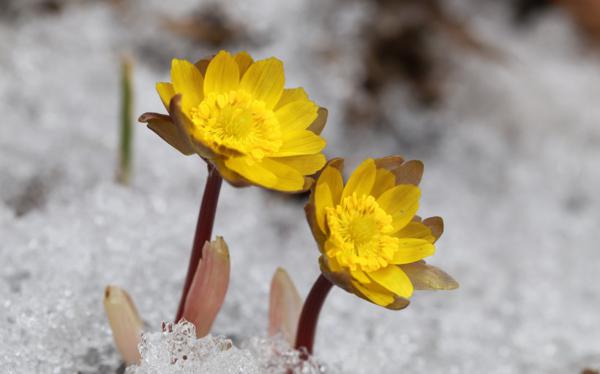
point(235, 113)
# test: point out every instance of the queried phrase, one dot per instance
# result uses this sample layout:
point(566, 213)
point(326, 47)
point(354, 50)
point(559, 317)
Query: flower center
point(237, 123)
point(360, 234)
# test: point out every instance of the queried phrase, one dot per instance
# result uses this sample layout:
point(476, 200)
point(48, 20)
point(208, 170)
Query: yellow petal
point(229, 175)
point(290, 95)
point(302, 142)
point(264, 80)
point(311, 217)
point(267, 173)
point(222, 74)
point(393, 279)
point(323, 200)
point(416, 230)
point(305, 164)
point(377, 295)
point(362, 179)
point(166, 93)
point(296, 116)
point(328, 191)
point(332, 176)
point(412, 250)
point(249, 170)
point(288, 178)
point(188, 82)
point(384, 180)
point(401, 202)
point(243, 61)
point(319, 124)
point(360, 276)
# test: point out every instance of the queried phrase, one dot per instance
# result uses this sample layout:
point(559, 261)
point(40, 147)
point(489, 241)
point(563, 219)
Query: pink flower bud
point(284, 306)
point(209, 287)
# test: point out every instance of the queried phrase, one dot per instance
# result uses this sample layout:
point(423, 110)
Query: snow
point(178, 350)
point(511, 168)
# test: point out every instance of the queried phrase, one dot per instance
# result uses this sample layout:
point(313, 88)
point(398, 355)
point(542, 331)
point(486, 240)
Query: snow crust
point(177, 350)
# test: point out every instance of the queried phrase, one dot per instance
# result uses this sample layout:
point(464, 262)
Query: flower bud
point(125, 323)
point(285, 306)
point(209, 287)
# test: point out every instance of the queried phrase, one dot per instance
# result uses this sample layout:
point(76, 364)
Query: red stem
point(307, 326)
point(204, 226)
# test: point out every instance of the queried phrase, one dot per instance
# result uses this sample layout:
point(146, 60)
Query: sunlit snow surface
point(511, 165)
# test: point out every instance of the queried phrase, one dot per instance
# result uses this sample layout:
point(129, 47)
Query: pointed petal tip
point(220, 247)
point(319, 123)
point(285, 306)
point(337, 163)
point(436, 225)
point(124, 321)
point(427, 277)
point(410, 172)
point(399, 303)
point(143, 118)
point(110, 293)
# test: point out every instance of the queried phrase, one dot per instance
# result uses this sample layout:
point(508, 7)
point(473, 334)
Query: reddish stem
point(307, 326)
point(204, 226)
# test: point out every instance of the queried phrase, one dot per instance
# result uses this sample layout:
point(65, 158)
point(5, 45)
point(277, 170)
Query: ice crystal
point(177, 350)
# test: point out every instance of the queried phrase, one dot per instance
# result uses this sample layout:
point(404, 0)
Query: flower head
point(371, 241)
point(235, 113)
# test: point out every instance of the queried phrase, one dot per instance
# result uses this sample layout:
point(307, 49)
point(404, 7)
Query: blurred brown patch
point(13, 9)
point(407, 41)
point(33, 195)
point(590, 371)
point(50, 6)
point(526, 10)
point(210, 25)
point(586, 14)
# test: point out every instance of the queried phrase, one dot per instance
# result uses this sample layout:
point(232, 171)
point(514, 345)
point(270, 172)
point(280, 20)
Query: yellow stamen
point(237, 122)
point(360, 233)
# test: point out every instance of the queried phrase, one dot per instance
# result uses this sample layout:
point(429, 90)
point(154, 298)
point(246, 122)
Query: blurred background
point(499, 99)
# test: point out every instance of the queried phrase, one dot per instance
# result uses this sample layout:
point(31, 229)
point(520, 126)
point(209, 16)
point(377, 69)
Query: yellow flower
point(371, 242)
point(235, 113)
